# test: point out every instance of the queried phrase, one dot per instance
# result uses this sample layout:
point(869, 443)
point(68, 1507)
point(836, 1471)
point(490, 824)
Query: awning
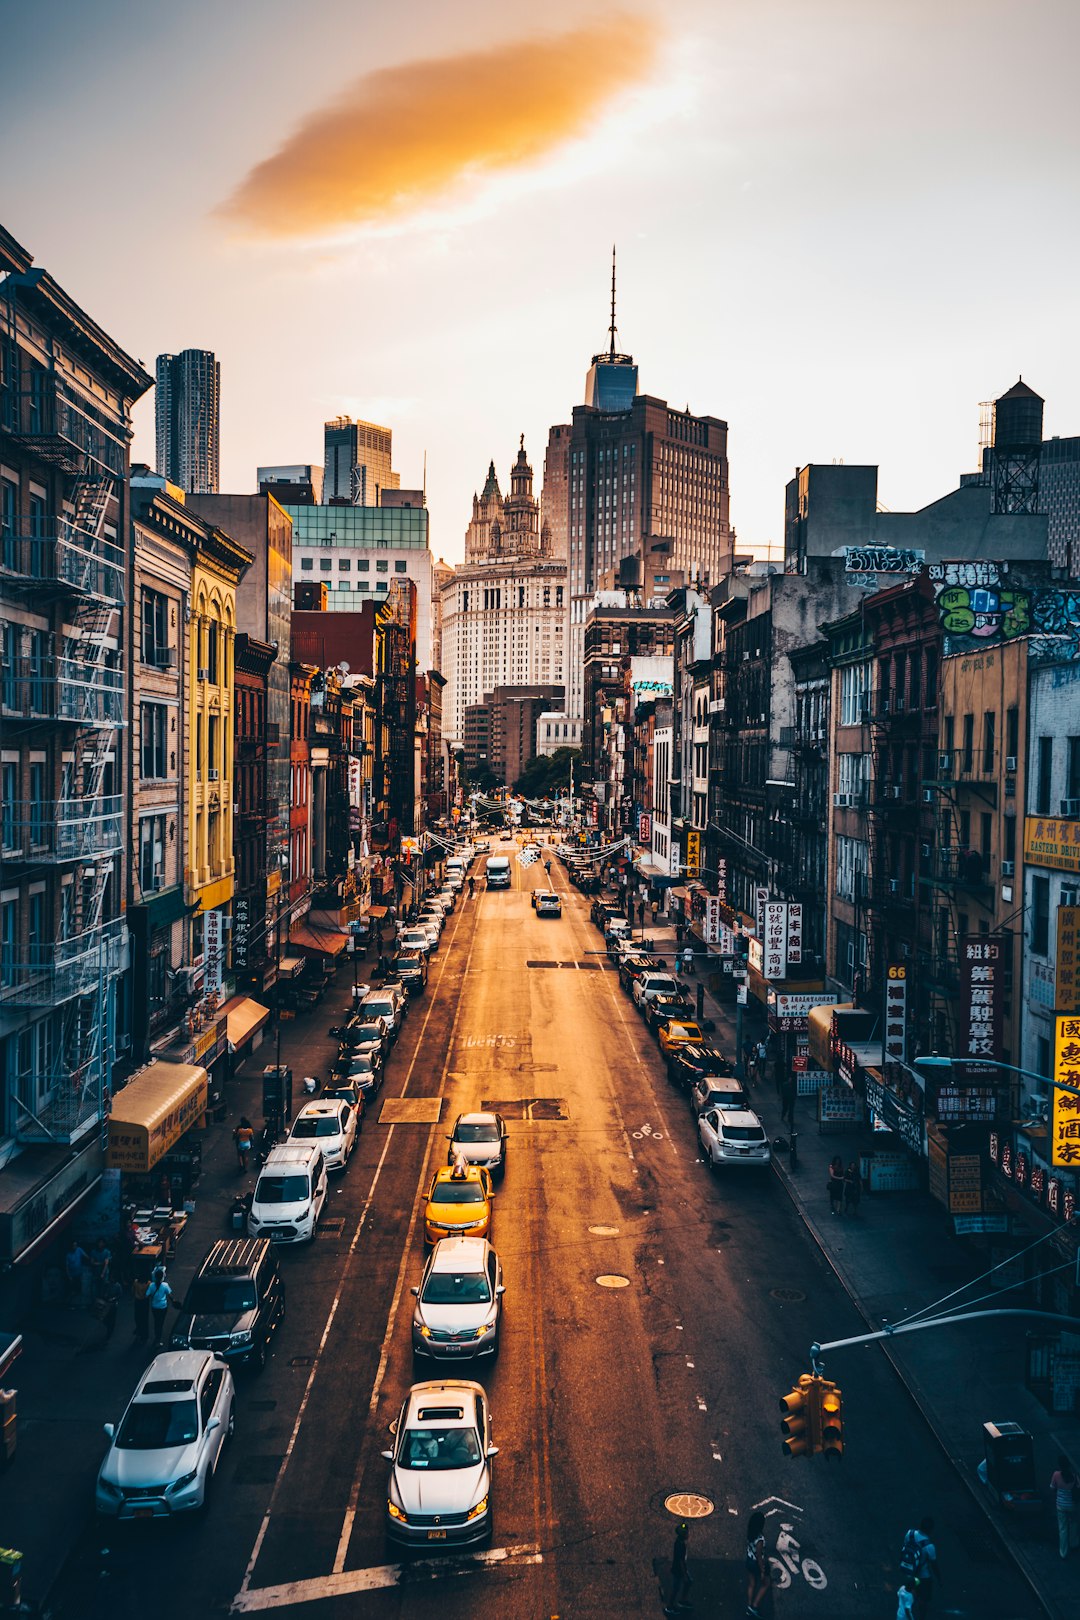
point(819, 1023)
point(319, 942)
point(152, 1112)
point(290, 966)
point(679, 894)
point(378, 912)
point(245, 1017)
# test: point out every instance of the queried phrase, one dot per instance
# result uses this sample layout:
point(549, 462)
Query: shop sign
point(241, 931)
point(30, 1219)
point(1065, 1116)
point(755, 954)
point(982, 986)
point(1067, 995)
point(895, 1043)
point(693, 852)
point(714, 922)
point(1042, 985)
point(644, 831)
point(212, 943)
point(907, 1125)
point(721, 878)
point(839, 1105)
point(794, 933)
point(969, 1225)
point(761, 898)
point(966, 1105)
point(1052, 843)
point(774, 940)
point(792, 1011)
point(965, 1183)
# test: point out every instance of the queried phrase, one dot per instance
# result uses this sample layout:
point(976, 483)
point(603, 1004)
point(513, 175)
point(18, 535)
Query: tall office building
point(555, 493)
point(357, 462)
point(187, 413)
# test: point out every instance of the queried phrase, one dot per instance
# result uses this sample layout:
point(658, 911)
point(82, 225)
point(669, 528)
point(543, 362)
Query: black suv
point(412, 969)
point(234, 1303)
point(686, 1066)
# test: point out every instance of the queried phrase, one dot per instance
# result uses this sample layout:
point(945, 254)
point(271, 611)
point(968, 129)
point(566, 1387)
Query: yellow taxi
point(679, 1032)
point(458, 1202)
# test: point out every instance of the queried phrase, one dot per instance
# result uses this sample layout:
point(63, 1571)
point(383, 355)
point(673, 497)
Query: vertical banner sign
point(645, 830)
point(774, 942)
point(714, 922)
point(760, 898)
point(211, 952)
point(1067, 991)
point(794, 934)
point(895, 1043)
point(721, 878)
point(693, 852)
point(982, 986)
point(1065, 1130)
point(241, 929)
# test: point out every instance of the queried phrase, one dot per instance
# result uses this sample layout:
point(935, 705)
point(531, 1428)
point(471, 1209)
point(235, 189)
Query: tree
point(546, 775)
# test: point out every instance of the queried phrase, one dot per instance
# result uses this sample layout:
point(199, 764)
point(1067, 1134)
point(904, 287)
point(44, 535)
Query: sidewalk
point(70, 1381)
point(897, 1255)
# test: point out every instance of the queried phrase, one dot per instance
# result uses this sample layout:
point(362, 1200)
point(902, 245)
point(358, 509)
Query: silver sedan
point(439, 1491)
point(163, 1453)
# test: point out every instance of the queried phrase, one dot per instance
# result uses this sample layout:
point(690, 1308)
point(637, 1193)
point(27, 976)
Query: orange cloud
point(398, 137)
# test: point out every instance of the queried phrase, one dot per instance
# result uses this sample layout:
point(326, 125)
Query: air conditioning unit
point(1010, 762)
point(894, 885)
point(841, 801)
point(927, 795)
point(944, 762)
point(204, 674)
point(1070, 807)
point(926, 851)
point(212, 774)
point(884, 704)
point(898, 702)
point(895, 792)
point(1008, 868)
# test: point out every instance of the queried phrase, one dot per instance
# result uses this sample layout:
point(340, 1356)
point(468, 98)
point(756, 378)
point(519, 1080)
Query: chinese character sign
point(721, 878)
point(982, 985)
point(1065, 1128)
point(714, 922)
point(693, 853)
point(774, 940)
point(1067, 989)
point(644, 829)
point(760, 898)
point(895, 1043)
point(241, 931)
point(794, 934)
point(212, 935)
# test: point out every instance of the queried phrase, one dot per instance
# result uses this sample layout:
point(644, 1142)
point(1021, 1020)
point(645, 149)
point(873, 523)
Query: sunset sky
point(840, 226)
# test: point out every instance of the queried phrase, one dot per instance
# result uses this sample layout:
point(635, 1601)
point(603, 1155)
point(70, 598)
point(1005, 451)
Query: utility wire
point(913, 1316)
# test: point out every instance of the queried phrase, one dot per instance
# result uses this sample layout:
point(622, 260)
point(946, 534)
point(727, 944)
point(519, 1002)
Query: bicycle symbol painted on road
point(786, 1563)
point(647, 1131)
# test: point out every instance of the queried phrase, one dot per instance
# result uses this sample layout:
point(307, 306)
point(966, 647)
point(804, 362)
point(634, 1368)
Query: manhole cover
point(332, 1228)
point(612, 1280)
point(302, 1361)
point(411, 1111)
point(604, 1231)
point(688, 1505)
point(787, 1296)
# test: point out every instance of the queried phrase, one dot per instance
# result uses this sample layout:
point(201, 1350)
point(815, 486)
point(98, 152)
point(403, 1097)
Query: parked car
point(164, 1451)
point(679, 1032)
point(458, 1201)
point(289, 1194)
point(433, 916)
point(655, 983)
point(418, 938)
point(717, 1091)
point(440, 1467)
point(445, 892)
point(659, 1009)
point(733, 1137)
point(412, 969)
point(363, 1072)
point(459, 1302)
point(483, 846)
point(350, 1092)
point(234, 1303)
point(330, 1123)
point(479, 1139)
point(631, 966)
point(602, 911)
point(366, 1033)
point(548, 904)
point(687, 1065)
point(386, 1003)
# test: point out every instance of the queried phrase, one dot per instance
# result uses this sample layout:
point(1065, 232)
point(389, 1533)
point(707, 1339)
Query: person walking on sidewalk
point(835, 1187)
point(918, 1565)
point(100, 1266)
point(852, 1188)
point(158, 1297)
point(244, 1138)
point(76, 1262)
point(681, 1581)
point(688, 960)
point(472, 887)
point(1063, 1485)
point(758, 1574)
point(905, 1601)
point(140, 1287)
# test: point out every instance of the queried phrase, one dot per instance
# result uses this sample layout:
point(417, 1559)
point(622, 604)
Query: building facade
point(187, 416)
point(357, 462)
point(255, 834)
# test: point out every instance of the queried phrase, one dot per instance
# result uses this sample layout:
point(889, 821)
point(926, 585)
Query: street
point(654, 1316)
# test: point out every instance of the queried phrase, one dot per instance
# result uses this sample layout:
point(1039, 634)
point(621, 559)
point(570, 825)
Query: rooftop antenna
point(425, 477)
point(611, 328)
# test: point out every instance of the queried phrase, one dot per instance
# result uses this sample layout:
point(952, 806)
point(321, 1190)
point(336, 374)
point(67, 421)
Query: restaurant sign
point(897, 1117)
point(1048, 842)
point(792, 1011)
point(982, 990)
point(1065, 1117)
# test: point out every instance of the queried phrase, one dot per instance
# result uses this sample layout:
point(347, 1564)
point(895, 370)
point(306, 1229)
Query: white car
point(418, 938)
point(386, 1003)
point(648, 985)
point(448, 895)
point(459, 1302)
point(332, 1125)
point(734, 1136)
point(163, 1453)
point(439, 1491)
point(432, 916)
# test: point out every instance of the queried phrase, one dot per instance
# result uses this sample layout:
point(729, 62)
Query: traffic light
point(800, 1422)
point(831, 1419)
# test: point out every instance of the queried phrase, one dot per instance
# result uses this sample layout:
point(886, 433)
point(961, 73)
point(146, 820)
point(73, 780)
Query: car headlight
point(109, 1488)
point(396, 1513)
point(485, 1327)
point(241, 1338)
point(185, 1479)
point(425, 1331)
point(480, 1508)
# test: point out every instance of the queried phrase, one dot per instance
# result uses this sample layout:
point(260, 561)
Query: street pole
point(738, 1036)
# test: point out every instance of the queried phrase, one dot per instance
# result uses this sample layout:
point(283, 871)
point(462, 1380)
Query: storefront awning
point(290, 966)
point(246, 1017)
point(378, 912)
point(819, 1023)
point(679, 894)
point(319, 942)
point(152, 1113)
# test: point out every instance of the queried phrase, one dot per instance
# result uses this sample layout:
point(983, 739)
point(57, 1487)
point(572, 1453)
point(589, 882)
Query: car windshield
point(658, 986)
point(213, 1296)
point(358, 1065)
point(439, 1449)
point(488, 1132)
point(317, 1125)
point(158, 1425)
point(468, 1288)
point(744, 1133)
point(278, 1189)
point(414, 936)
point(361, 1034)
point(379, 1009)
point(458, 1192)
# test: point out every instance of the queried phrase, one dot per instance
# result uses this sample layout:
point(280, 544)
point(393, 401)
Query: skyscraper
point(357, 462)
point(187, 412)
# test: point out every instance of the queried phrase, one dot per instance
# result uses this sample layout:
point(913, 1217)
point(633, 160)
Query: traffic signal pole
point(892, 1330)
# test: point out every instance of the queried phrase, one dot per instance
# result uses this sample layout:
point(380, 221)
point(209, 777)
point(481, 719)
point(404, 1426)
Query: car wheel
point(258, 1362)
point(496, 1345)
point(231, 1429)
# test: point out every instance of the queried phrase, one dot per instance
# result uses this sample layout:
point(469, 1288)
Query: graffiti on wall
point(979, 602)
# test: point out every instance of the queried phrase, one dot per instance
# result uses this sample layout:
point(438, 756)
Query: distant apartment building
point(187, 415)
point(295, 482)
point(357, 462)
point(555, 490)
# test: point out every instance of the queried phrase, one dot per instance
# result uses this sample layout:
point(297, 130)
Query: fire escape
point(64, 685)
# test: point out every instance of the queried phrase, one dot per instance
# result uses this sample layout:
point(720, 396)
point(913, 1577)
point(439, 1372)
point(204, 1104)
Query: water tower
point(1018, 431)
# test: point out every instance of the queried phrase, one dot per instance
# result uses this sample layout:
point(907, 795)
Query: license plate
point(452, 1349)
point(436, 1535)
point(142, 1513)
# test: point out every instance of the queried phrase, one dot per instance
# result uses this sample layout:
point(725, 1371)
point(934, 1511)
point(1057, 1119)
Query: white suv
point(332, 1125)
point(734, 1136)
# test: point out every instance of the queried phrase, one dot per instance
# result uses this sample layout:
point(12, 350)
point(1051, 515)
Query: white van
point(497, 872)
point(289, 1194)
point(456, 869)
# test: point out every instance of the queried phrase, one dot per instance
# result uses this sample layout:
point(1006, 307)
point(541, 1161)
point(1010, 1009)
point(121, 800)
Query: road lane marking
point(380, 1577)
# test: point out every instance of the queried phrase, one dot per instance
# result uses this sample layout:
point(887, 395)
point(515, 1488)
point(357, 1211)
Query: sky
point(840, 225)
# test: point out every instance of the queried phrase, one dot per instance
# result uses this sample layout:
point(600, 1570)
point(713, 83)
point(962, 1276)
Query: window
point(8, 936)
point(967, 745)
point(9, 792)
point(344, 565)
point(155, 628)
point(325, 564)
point(9, 687)
point(9, 501)
point(212, 742)
point(854, 692)
point(1072, 771)
point(851, 867)
point(212, 649)
point(1040, 915)
point(989, 741)
point(153, 724)
point(1012, 732)
point(382, 566)
point(363, 565)
point(307, 565)
point(151, 853)
point(37, 804)
point(1042, 781)
point(400, 565)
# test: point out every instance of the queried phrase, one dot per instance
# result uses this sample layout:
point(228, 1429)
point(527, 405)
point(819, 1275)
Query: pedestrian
point(472, 886)
point(758, 1575)
point(835, 1186)
point(244, 1138)
point(655, 913)
point(748, 1061)
point(76, 1261)
point(1063, 1484)
point(905, 1602)
point(681, 1580)
point(140, 1287)
point(852, 1188)
point(761, 1056)
point(788, 1097)
point(109, 1303)
point(688, 961)
point(383, 968)
point(158, 1296)
point(680, 931)
point(918, 1565)
point(100, 1266)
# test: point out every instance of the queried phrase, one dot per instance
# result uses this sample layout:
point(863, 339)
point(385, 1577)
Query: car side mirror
point(501, 1288)
point(492, 1451)
point(110, 1429)
point(392, 1425)
point(415, 1291)
point(213, 1423)
point(389, 1455)
point(335, 1030)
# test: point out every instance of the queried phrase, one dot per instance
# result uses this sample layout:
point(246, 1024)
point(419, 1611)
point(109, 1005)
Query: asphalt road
point(606, 1400)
